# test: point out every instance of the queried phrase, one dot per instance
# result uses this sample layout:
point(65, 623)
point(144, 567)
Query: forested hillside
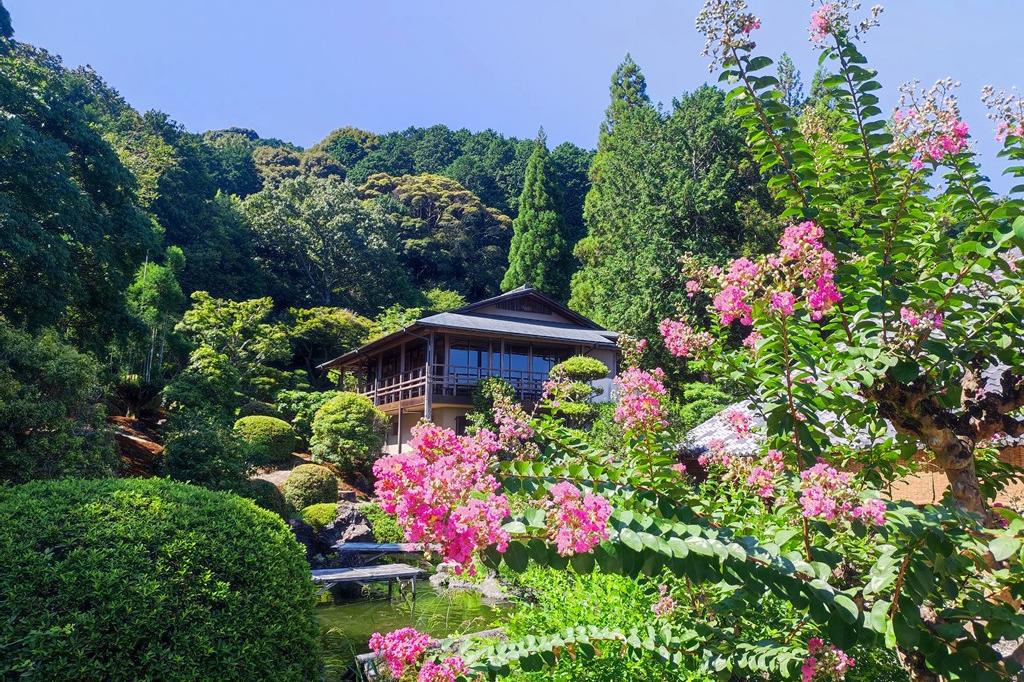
point(197, 272)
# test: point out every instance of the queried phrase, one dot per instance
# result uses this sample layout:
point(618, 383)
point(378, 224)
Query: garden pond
point(348, 621)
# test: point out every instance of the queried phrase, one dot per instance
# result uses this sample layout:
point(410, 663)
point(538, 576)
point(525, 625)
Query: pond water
point(347, 622)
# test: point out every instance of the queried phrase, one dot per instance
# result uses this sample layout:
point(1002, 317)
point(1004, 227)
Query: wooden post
point(399, 437)
point(428, 390)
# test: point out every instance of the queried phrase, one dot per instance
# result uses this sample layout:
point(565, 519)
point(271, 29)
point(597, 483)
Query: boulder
point(349, 526)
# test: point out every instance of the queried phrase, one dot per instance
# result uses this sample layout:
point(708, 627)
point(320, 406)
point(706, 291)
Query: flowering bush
point(892, 302)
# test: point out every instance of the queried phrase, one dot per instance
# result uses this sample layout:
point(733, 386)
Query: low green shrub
point(310, 484)
point(271, 439)
point(264, 494)
point(348, 431)
point(202, 449)
point(319, 515)
point(150, 579)
point(384, 526)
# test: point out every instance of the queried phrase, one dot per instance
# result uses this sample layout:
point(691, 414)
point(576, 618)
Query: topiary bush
point(310, 484)
point(581, 368)
point(319, 515)
point(348, 431)
point(264, 494)
point(271, 439)
point(150, 579)
point(300, 407)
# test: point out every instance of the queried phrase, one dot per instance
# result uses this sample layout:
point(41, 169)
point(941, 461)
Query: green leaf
point(1003, 548)
point(516, 557)
point(630, 539)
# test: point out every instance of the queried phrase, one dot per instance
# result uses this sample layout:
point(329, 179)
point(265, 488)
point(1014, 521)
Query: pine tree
point(540, 254)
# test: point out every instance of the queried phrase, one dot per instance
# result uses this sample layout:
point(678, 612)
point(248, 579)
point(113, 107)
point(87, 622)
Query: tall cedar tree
point(663, 184)
point(540, 254)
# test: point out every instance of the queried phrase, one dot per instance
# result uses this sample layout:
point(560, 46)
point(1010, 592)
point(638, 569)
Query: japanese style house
point(428, 370)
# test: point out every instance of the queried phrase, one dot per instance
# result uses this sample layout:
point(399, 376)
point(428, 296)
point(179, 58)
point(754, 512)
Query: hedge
point(271, 439)
point(310, 484)
point(150, 579)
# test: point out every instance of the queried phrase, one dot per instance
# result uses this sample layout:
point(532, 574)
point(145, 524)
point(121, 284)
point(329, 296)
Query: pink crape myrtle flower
point(738, 421)
point(762, 476)
point(443, 494)
point(447, 670)
point(401, 648)
point(824, 662)
point(731, 304)
point(783, 302)
point(822, 22)
point(640, 395)
point(682, 340)
point(825, 494)
point(665, 604)
point(692, 288)
point(578, 522)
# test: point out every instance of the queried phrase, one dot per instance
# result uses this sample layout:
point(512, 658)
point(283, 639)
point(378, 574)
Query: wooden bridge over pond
point(326, 578)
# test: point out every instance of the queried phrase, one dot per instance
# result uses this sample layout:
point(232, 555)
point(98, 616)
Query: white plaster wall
point(608, 356)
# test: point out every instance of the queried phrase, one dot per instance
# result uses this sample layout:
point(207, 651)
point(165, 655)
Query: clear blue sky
point(298, 69)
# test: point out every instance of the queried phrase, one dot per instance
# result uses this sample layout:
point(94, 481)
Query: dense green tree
point(156, 299)
point(235, 338)
point(570, 165)
point(448, 238)
point(397, 316)
point(51, 420)
point(790, 85)
point(320, 244)
point(663, 185)
point(393, 155)
point(540, 252)
point(347, 145)
point(6, 31)
point(231, 162)
point(319, 334)
point(71, 230)
point(437, 148)
point(276, 164)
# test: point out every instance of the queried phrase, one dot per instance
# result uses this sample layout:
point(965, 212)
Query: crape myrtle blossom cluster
point(825, 494)
point(834, 18)
point(825, 662)
point(665, 604)
point(446, 670)
point(803, 269)
point(762, 476)
point(927, 123)
point(514, 431)
point(682, 340)
point(578, 522)
point(403, 649)
point(443, 494)
point(1006, 109)
point(727, 26)
point(640, 395)
point(400, 649)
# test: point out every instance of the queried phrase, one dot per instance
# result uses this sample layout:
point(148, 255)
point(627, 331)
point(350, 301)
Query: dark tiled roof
point(517, 326)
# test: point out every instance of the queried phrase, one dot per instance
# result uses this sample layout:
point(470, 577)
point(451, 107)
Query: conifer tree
point(540, 253)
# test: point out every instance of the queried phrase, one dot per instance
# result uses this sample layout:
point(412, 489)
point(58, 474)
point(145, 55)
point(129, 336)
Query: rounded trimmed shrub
point(264, 494)
point(150, 579)
point(581, 368)
point(271, 439)
point(310, 484)
point(319, 515)
point(348, 431)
